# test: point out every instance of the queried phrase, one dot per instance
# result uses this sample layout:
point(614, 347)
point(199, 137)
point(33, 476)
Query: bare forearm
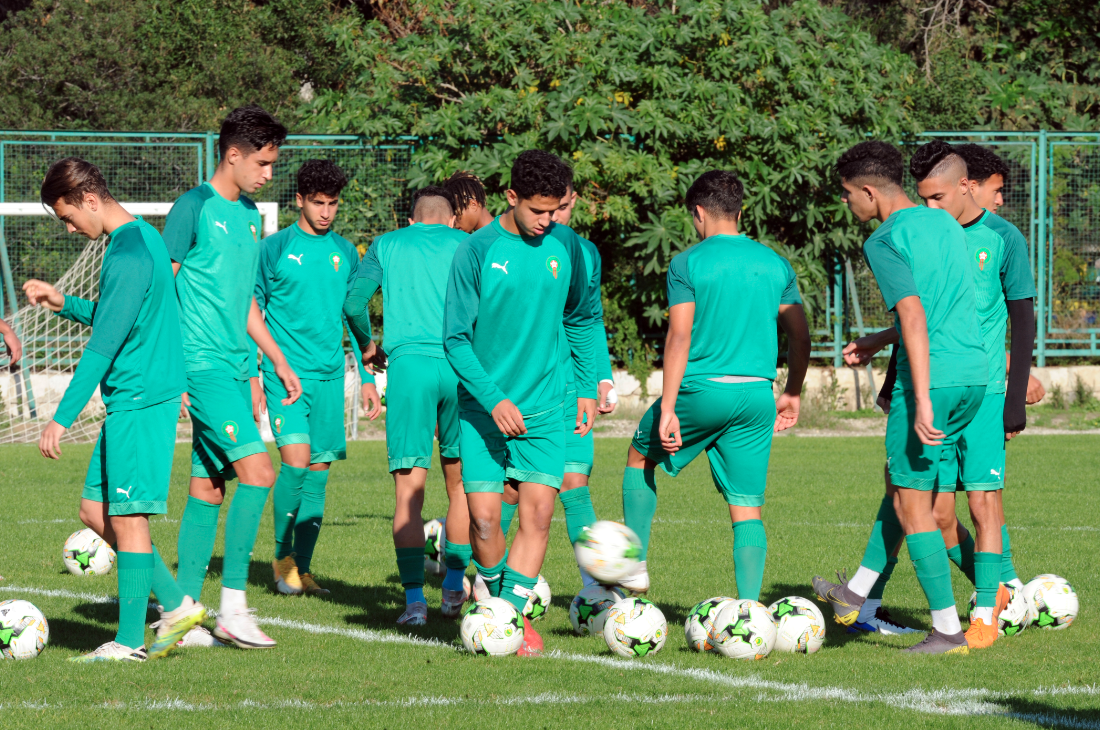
point(798, 361)
point(914, 331)
point(676, 357)
point(259, 333)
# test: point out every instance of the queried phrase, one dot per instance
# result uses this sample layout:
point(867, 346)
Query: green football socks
point(579, 512)
point(885, 536)
point(750, 550)
point(135, 581)
point(962, 555)
point(511, 579)
point(929, 555)
point(410, 565)
point(241, 525)
point(164, 585)
point(458, 556)
point(987, 574)
point(883, 579)
point(286, 500)
point(307, 525)
point(640, 503)
point(1008, 570)
point(507, 512)
point(493, 575)
point(198, 529)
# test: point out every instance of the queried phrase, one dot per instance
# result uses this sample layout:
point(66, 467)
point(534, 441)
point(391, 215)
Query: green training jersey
point(593, 266)
point(302, 283)
point(922, 252)
point(507, 296)
point(217, 244)
point(135, 353)
point(999, 261)
point(411, 266)
point(737, 285)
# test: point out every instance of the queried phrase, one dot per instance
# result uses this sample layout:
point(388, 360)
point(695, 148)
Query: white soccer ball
point(24, 632)
point(539, 602)
point(699, 624)
point(608, 551)
point(1051, 602)
point(1014, 618)
point(86, 553)
point(744, 629)
point(492, 627)
point(635, 627)
point(588, 611)
point(799, 625)
point(435, 546)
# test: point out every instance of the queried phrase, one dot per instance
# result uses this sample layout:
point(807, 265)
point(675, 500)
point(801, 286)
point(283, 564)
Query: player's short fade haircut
point(540, 173)
point(250, 129)
point(872, 161)
point(70, 179)
point(464, 187)
point(321, 176)
point(718, 192)
point(982, 163)
point(431, 202)
point(934, 159)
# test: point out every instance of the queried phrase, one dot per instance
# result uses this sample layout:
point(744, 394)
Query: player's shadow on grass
point(1045, 715)
point(82, 635)
point(835, 634)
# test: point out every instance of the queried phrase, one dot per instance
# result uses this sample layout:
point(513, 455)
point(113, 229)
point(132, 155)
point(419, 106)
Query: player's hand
point(15, 348)
point(860, 351)
point(928, 434)
point(608, 398)
point(374, 358)
point(586, 416)
point(41, 294)
point(290, 381)
point(50, 443)
point(1012, 434)
point(372, 404)
point(508, 418)
point(669, 428)
point(259, 400)
point(884, 404)
point(185, 403)
point(786, 411)
point(1035, 391)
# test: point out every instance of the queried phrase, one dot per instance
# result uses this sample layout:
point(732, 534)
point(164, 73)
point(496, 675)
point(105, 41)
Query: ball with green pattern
point(1052, 602)
point(491, 628)
point(699, 624)
point(635, 627)
point(1014, 618)
point(744, 629)
point(539, 602)
point(588, 610)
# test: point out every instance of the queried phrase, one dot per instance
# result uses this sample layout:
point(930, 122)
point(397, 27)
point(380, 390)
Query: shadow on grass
point(81, 635)
point(1045, 715)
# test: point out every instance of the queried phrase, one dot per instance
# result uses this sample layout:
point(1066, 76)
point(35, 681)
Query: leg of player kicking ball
point(992, 597)
point(459, 552)
point(521, 571)
point(639, 507)
point(408, 541)
point(579, 513)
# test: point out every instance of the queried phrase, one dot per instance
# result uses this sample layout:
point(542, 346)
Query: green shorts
point(977, 463)
point(221, 421)
point(316, 418)
point(421, 393)
point(579, 450)
point(489, 457)
point(913, 465)
point(132, 460)
point(733, 422)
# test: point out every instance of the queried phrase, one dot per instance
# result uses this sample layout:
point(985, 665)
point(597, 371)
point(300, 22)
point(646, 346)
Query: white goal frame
point(269, 212)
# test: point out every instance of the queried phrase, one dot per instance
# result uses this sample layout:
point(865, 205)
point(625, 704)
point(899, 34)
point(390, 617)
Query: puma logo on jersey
point(994, 472)
point(124, 491)
point(222, 226)
point(503, 268)
point(297, 258)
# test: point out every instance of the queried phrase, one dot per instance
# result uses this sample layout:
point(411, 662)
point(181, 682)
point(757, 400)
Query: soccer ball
point(492, 627)
point(86, 553)
point(23, 630)
point(799, 625)
point(744, 629)
point(539, 602)
point(699, 625)
point(1014, 618)
point(435, 546)
point(588, 611)
point(635, 627)
point(1051, 601)
point(608, 551)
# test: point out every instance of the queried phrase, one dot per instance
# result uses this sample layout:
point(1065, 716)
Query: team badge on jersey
point(982, 255)
point(230, 428)
point(554, 265)
point(335, 259)
point(278, 424)
point(252, 227)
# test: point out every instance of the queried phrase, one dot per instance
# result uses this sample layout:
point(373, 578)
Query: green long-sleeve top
point(593, 266)
point(507, 299)
point(135, 353)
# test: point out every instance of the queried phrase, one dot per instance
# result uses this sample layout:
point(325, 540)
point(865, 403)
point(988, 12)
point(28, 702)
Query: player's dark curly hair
point(433, 191)
point(540, 173)
point(982, 163)
point(321, 176)
point(465, 187)
point(718, 192)
point(932, 159)
point(872, 160)
point(250, 129)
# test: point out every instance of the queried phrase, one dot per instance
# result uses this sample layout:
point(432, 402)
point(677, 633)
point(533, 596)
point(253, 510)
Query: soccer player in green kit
point(304, 279)
point(1001, 270)
point(468, 197)
point(135, 356)
point(511, 286)
point(411, 266)
point(726, 296)
point(213, 236)
point(919, 258)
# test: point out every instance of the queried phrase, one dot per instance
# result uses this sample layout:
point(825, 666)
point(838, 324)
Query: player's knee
point(483, 527)
point(541, 517)
point(90, 518)
point(945, 518)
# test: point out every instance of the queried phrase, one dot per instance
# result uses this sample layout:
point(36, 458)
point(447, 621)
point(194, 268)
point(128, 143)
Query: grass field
point(342, 661)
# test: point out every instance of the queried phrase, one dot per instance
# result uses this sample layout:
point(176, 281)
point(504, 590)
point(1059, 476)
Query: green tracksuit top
point(737, 285)
point(507, 296)
point(1002, 272)
point(135, 353)
point(922, 252)
point(593, 266)
point(217, 244)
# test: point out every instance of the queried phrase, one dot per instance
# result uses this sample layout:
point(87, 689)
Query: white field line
point(958, 702)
